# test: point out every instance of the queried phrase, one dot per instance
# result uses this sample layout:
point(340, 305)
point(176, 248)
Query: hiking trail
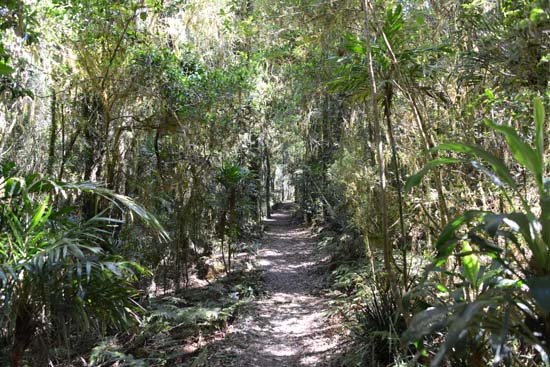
point(286, 327)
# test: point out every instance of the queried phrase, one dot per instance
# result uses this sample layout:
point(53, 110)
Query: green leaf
point(539, 126)
point(420, 20)
point(490, 95)
point(88, 270)
point(539, 289)
point(113, 268)
point(415, 179)
point(354, 44)
point(537, 14)
point(426, 322)
point(521, 151)
point(447, 241)
point(530, 231)
point(38, 214)
point(494, 177)
point(484, 245)
point(6, 168)
point(12, 187)
point(471, 264)
point(496, 163)
point(458, 330)
point(6, 69)
point(442, 288)
point(75, 250)
point(3, 277)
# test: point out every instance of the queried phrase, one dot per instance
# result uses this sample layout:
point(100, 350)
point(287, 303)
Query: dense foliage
point(412, 134)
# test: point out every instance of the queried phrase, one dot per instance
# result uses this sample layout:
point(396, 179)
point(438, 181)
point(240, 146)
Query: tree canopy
point(140, 139)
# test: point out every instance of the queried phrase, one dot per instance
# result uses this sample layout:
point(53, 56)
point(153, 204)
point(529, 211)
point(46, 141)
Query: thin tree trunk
point(232, 226)
point(428, 144)
point(267, 184)
point(114, 162)
point(377, 133)
point(255, 169)
point(62, 127)
point(157, 155)
point(395, 160)
point(53, 133)
point(25, 328)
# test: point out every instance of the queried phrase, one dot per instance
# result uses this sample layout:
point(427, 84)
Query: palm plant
point(502, 287)
point(232, 177)
point(54, 268)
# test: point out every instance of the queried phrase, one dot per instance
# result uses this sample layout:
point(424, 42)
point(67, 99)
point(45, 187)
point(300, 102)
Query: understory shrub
point(491, 275)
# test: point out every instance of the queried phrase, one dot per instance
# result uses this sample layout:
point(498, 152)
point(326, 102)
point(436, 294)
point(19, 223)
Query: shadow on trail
point(287, 326)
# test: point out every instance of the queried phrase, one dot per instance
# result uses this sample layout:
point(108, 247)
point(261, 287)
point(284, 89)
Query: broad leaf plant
point(502, 288)
point(56, 268)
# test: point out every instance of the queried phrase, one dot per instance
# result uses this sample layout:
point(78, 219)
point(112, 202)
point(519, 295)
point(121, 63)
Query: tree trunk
point(157, 155)
point(377, 134)
point(221, 234)
point(232, 226)
point(395, 160)
point(267, 184)
point(255, 170)
point(428, 144)
point(53, 133)
point(23, 334)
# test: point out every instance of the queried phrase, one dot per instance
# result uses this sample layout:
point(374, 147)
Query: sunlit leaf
point(5, 69)
point(447, 240)
point(489, 93)
point(471, 264)
point(38, 214)
point(497, 164)
point(415, 179)
point(539, 126)
point(521, 151)
point(442, 288)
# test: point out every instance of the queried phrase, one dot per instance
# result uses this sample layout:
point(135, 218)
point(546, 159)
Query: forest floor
point(286, 327)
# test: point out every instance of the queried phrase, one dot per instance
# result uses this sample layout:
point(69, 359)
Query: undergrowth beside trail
point(361, 301)
point(174, 327)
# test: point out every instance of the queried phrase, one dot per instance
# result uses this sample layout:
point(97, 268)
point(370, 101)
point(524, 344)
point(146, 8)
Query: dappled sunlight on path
point(287, 327)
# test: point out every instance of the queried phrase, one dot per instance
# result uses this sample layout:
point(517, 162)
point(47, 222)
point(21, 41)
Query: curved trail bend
point(285, 328)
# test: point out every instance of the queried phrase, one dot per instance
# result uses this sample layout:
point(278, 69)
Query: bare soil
point(287, 326)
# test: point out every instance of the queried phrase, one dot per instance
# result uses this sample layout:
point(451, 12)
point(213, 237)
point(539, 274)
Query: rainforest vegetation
point(143, 143)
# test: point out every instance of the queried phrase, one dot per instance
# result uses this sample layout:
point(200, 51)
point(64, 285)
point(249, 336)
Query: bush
point(493, 282)
point(55, 269)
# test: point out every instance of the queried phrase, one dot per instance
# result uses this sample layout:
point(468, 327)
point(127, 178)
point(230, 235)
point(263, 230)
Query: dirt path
point(286, 327)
